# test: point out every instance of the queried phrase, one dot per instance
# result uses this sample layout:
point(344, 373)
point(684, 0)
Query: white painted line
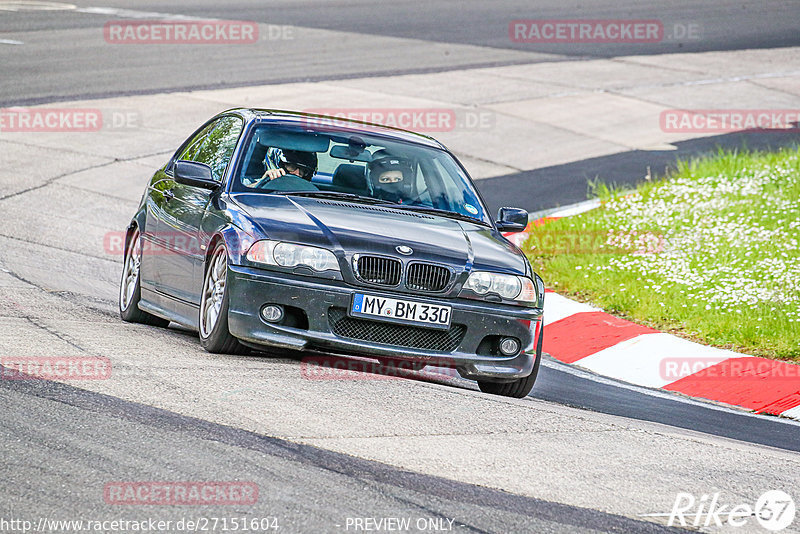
point(575, 209)
point(564, 211)
point(793, 413)
point(134, 14)
point(10, 42)
point(580, 373)
point(557, 307)
point(22, 5)
point(572, 209)
point(665, 147)
point(654, 360)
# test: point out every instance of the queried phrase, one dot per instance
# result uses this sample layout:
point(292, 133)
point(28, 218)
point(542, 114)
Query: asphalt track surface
point(308, 489)
point(60, 436)
point(63, 59)
point(558, 383)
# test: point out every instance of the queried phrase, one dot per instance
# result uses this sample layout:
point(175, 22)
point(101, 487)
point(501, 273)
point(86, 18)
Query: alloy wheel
point(213, 292)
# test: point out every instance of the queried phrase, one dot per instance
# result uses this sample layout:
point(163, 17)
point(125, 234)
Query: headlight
point(507, 286)
point(292, 255)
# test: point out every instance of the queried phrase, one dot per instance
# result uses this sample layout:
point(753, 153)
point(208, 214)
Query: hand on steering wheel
point(270, 174)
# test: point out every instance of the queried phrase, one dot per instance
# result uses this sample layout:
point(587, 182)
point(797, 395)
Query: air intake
point(427, 277)
point(378, 270)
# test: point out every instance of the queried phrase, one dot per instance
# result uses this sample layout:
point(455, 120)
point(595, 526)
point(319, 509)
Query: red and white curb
point(585, 336)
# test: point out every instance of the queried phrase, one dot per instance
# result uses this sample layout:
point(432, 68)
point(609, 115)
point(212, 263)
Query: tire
point(519, 388)
point(213, 321)
point(130, 291)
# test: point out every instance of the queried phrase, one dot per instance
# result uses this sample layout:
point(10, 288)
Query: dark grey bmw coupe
point(279, 229)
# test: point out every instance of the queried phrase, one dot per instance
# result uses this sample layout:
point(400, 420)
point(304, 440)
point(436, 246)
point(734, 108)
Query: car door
point(154, 274)
point(185, 206)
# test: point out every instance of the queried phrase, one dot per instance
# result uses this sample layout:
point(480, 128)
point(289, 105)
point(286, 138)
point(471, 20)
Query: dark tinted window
point(397, 172)
point(189, 152)
point(214, 145)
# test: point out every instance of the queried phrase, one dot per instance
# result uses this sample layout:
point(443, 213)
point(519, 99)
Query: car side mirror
point(194, 174)
point(512, 219)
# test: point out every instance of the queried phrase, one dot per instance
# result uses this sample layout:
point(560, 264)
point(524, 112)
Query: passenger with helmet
point(291, 170)
point(390, 177)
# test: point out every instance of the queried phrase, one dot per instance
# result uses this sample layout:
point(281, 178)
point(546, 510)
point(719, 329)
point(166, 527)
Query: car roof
point(294, 118)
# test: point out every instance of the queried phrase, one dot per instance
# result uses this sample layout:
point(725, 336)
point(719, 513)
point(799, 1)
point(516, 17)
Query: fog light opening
point(272, 313)
point(509, 346)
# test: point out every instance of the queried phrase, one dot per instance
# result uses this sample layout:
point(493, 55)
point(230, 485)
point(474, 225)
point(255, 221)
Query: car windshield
point(356, 167)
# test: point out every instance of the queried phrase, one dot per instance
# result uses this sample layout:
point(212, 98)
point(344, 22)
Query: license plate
point(401, 311)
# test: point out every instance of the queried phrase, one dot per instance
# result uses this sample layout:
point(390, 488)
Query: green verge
point(709, 253)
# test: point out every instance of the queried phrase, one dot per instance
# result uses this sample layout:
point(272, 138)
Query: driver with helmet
point(296, 162)
point(292, 170)
point(389, 177)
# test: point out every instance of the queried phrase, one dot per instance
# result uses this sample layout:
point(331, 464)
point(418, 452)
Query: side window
point(214, 145)
point(191, 149)
point(217, 147)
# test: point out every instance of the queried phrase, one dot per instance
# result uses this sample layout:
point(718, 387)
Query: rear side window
point(218, 146)
point(214, 145)
point(189, 152)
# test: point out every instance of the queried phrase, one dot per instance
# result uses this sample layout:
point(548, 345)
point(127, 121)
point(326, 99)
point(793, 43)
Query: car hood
point(353, 228)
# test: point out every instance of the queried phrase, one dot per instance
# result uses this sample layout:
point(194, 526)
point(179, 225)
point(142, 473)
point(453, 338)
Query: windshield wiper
point(332, 194)
point(388, 203)
point(437, 211)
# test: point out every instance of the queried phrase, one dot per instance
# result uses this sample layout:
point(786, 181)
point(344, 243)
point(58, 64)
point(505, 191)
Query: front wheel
point(130, 290)
point(517, 389)
point(214, 334)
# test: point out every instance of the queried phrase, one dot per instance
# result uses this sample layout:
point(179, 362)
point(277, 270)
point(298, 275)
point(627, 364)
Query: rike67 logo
point(774, 510)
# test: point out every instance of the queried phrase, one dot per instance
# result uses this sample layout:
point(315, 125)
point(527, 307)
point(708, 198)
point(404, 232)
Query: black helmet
point(383, 162)
point(305, 161)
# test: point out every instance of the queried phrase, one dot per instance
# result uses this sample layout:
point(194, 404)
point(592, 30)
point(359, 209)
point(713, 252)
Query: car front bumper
point(325, 302)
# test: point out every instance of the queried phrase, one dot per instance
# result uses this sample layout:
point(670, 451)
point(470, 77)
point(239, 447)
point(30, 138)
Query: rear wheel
point(214, 334)
point(130, 291)
point(518, 388)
